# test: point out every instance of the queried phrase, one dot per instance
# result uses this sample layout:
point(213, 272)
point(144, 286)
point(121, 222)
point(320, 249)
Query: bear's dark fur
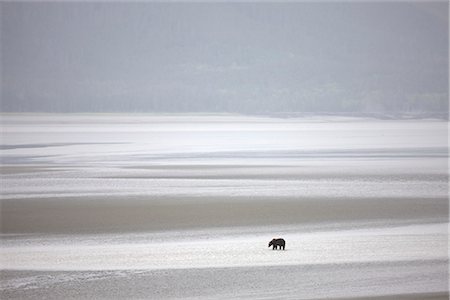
point(277, 243)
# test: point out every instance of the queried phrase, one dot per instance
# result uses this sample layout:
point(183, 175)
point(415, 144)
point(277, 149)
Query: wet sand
point(279, 282)
point(85, 215)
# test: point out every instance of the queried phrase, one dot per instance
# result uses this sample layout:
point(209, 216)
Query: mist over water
point(372, 57)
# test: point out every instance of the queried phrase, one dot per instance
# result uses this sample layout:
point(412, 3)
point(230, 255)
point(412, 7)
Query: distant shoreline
point(441, 116)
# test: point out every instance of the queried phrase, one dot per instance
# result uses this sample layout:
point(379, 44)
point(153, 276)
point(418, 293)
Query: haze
point(217, 57)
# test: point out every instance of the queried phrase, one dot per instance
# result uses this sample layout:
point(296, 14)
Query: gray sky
point(215, 57)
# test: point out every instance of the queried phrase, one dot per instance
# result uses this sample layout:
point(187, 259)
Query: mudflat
point(127, 206)
point(97, 214)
